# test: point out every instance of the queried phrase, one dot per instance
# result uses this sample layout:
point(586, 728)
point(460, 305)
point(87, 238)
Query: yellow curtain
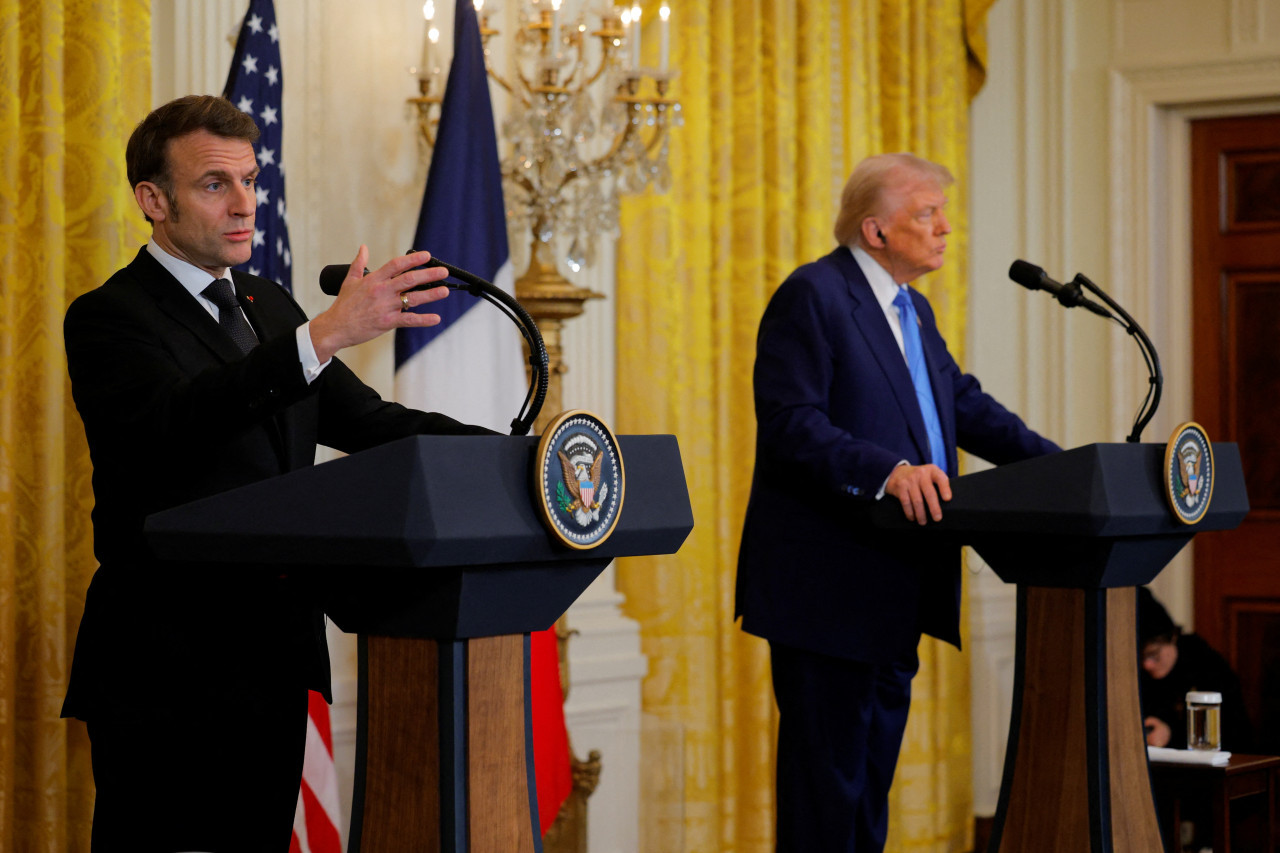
point(781, 98)
point(75, 76)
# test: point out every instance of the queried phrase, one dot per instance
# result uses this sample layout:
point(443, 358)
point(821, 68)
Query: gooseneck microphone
point(1071, 294)
point(332, 276)
point(1033, 277)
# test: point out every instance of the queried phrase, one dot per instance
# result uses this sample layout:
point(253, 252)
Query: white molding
point(993, 630)
point(1150, 266)
point(1020, 344)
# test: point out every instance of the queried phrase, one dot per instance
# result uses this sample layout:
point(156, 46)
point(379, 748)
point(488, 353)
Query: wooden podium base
point(1075, 775)
point(444, 756)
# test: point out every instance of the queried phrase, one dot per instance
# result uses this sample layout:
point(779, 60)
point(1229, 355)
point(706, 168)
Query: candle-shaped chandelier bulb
point(664, 54)
point(431, 37)
point(635, 36)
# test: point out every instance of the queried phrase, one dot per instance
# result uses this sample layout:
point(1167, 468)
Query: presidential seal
point(579, 479)
point(1188, 472)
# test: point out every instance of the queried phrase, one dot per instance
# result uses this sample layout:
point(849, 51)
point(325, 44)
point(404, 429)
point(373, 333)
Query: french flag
point(471, 365)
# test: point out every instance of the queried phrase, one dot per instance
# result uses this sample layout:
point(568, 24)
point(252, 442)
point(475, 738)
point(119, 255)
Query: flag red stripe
point(322, 833)
point(550, 739)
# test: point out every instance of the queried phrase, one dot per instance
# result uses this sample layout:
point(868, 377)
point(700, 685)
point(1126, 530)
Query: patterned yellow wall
point(74, 79)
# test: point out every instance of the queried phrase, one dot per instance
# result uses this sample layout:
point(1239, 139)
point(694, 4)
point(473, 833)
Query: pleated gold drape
point(75, 77)
point(781, 98)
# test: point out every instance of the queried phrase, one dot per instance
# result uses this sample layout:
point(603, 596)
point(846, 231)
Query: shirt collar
point(190, 276)
point(882, 284)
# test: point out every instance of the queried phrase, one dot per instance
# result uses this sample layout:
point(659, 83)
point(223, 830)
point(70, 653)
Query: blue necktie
point(920, 376)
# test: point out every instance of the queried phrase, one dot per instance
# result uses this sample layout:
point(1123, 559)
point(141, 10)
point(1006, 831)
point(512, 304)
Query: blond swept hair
point(867, 192)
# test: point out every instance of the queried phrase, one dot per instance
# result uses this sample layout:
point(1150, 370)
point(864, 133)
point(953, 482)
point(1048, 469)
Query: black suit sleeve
point(353, 417)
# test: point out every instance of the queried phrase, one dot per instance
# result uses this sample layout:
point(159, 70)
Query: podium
point(431, 550)
point(1077, 531)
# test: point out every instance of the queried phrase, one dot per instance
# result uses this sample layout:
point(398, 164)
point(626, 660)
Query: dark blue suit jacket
point(836, 411)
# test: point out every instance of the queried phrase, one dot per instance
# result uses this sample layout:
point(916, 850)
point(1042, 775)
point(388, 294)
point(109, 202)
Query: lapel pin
point(249, 297)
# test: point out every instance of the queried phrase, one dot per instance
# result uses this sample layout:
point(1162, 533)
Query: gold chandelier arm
point(604, 63)
point(606, 159)
point(659, 132)
point(521, 181)
point(497, 78)
point(426, 105)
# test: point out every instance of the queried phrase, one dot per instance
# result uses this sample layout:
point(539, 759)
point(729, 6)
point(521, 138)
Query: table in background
point(1240, 801)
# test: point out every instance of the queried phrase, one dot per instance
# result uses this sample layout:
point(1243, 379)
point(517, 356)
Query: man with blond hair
point(857, 400)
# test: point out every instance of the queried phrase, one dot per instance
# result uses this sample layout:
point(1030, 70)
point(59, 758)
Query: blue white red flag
point(469, 366)
point(255, 84)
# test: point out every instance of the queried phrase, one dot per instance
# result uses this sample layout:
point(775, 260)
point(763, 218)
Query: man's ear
point(871, 233)
point(152, 200)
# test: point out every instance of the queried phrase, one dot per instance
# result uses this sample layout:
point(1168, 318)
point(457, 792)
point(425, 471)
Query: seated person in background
point(1174, 663)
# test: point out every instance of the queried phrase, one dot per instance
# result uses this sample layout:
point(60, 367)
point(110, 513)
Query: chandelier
point(586, 122)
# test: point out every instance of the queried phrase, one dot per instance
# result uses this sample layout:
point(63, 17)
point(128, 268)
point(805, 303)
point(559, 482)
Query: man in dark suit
point(857, 399)
point(193, 379)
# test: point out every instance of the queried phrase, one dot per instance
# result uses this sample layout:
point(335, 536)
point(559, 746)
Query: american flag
point(315, 822)
point(255, 84)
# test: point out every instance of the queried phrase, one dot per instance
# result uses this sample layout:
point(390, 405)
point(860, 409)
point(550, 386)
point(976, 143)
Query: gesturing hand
point(918, 487)
point(369, 305)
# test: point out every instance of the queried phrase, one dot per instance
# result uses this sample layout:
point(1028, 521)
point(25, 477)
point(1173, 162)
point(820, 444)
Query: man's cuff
point(311, 366)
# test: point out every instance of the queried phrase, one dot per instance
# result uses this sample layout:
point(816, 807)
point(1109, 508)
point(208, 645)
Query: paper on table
point(1209, 757)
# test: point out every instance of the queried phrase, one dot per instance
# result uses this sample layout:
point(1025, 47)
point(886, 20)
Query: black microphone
point(332, 276)
point(1070, 295)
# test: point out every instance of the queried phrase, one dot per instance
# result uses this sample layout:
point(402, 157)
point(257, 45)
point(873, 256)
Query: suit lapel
point(174, 300)
point(266, 326)
point(870, 319)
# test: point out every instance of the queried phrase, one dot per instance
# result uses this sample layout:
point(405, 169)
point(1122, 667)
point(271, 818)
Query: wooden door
point(1236, 392)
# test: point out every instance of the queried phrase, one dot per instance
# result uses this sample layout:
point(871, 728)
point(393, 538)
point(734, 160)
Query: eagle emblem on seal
point(1187, 479)
point(580, 463)
point(578, 480)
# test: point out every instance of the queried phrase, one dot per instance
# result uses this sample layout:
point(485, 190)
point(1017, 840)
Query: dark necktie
point(920, 376)
point(230, 317)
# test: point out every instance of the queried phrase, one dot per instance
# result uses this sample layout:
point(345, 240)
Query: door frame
point(1151, 110)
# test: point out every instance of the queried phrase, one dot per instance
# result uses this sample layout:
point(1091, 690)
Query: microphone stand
point(505, 302)
point(1155, 378)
